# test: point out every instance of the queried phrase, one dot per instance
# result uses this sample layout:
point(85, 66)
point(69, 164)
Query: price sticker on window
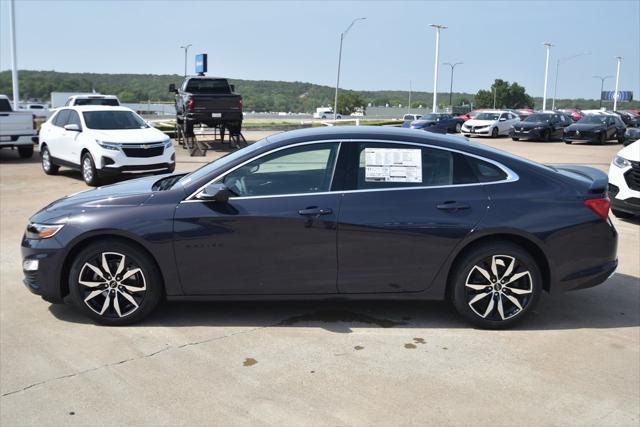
point(393, 165)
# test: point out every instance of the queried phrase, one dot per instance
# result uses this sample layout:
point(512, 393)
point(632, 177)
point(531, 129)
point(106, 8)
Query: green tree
point(505, 95)
point(349, 102)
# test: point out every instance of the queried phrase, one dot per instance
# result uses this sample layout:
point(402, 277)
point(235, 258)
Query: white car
point(94, 99)
point(624, 182)
point(490, 123)
point(102, 141)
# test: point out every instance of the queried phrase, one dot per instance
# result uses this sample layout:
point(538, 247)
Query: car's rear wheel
point(115, 283)
point(603, 138)
point(25, 151)
point(620, 138)
point(89, 171)
point(495, 285)
point(47, 162)
point(546, 136)
point(515, 139)
point(494, 133)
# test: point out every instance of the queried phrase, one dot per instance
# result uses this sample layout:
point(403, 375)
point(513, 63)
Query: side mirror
point(233, 88)
point(216, 192)
point(172, 88)
point(72, 127)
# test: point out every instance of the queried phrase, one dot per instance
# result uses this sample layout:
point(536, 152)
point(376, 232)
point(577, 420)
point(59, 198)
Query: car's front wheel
point(495, 285)
point(494, 133)
point(89, 171)
point(114, 282)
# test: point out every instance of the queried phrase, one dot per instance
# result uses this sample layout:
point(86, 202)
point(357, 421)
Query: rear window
point(220, 86)
point(98, 101)
point(5, 105)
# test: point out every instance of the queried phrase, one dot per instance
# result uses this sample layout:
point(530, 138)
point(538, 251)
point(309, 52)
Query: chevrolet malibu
point(339, 213)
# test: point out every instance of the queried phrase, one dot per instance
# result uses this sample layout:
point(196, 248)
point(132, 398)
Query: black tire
point(603, 138)
point(88, 169)
point(621, 214)
point(568, 142)
point(494, 133)
point(546, 136)
point(526, 289)
point(48, 166)
point(620, 138)
point(458, 128)
point(136, 296)
point(515, 139)
point(25, 151)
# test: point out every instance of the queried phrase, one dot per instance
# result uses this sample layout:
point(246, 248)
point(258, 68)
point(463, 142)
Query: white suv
point(101, 141)
point(624, 182)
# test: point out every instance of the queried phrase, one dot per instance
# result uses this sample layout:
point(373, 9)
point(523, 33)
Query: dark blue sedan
point(437, 123)
point(340, 213)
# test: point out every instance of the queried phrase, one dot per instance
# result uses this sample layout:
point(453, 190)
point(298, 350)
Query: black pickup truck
point(210, 101)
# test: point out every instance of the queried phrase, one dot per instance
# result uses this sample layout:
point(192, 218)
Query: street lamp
point(342, 36)
point(615, 94)
point(546, 76)
point(438, 27)
point(555, 86)
point(602, 79)
point(186, 49)
point(453, 66)
point(14, 61)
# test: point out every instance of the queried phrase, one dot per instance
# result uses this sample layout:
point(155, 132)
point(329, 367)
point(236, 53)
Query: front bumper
point(470, 132)
point(525, 134)
point(45, 281)
point(155, 167)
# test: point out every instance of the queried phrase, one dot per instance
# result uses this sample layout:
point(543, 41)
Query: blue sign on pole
point(201, 63)
point(623, 95)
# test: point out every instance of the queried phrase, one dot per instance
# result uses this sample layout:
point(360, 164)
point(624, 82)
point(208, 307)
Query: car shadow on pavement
point(615, 304)
point(11, 156)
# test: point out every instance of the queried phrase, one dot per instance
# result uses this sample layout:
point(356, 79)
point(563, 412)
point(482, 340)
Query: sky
point(299, 41)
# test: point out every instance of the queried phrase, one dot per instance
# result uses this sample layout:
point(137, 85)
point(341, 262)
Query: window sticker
point(393, 165)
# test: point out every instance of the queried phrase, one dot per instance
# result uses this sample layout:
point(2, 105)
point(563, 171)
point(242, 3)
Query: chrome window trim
point(511, 175)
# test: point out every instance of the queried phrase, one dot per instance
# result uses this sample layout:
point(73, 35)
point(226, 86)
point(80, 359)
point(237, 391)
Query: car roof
point(83, 108)
point(94, 96)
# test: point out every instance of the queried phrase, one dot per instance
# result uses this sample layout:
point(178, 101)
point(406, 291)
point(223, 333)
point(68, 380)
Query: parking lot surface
point(575, 361)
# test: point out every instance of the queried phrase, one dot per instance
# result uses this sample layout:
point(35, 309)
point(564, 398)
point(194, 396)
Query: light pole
point(186, 49)
point(409, 108)
point(495, 95)
point(546, 76)
point(615, 94)
point(438, 27)
point(14, 61)
point(602, 79)
point(342, 36)
point(555, 86)
point(453, 66)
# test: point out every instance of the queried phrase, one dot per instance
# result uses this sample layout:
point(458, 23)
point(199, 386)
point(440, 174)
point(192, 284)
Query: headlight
point(42, 231)
point(168, 143)
point(108, 145)
point(621, 162)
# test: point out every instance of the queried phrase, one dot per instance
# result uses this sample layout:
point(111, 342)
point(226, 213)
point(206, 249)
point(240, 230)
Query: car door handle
point(452, 206)
point(315, 211)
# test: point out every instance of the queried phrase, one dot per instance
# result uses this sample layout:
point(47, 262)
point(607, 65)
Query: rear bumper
point(589, 277)
point(208, 119)
point(19, 140)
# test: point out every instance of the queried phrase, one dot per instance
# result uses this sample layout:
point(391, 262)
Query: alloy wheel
point(498, 287)
point(112, 285)
point(46, 160)
point(87, 169)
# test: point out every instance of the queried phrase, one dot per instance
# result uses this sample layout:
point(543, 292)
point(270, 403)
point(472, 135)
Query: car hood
point(631, 152)
point(530, 125)
point(124, 194)
point(132, 136)
point(474, 122)
point(584, 127)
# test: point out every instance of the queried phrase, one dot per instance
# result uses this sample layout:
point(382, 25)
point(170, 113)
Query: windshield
point(218, 163)
point(111, 120)
point(97, 101)
point(487, 116)
point(593, 119)
point(538, 118)
point(208, 86)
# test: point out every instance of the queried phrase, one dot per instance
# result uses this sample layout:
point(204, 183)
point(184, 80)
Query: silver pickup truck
point(17, 129)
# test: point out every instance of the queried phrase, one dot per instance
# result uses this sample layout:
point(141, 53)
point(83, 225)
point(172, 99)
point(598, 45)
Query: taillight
point(241, 103)
point(33, 121)
point(190, 103)
point(599, 206)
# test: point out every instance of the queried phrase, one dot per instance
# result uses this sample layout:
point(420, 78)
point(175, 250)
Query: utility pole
point(342, 36)
point(453, 66)
point(555, 86)
point(616, 93)
point(602, 79)
point(495, 94)
point(438, 27)
point(546, 76)
point(409, 108)
point(186, 49)
point(14, 61)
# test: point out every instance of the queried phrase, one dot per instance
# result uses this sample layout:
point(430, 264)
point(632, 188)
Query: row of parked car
point(570, 125)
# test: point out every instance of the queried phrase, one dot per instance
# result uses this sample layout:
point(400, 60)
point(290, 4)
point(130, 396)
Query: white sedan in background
point(101, 141)
point(490, 123)
point(624, 182)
